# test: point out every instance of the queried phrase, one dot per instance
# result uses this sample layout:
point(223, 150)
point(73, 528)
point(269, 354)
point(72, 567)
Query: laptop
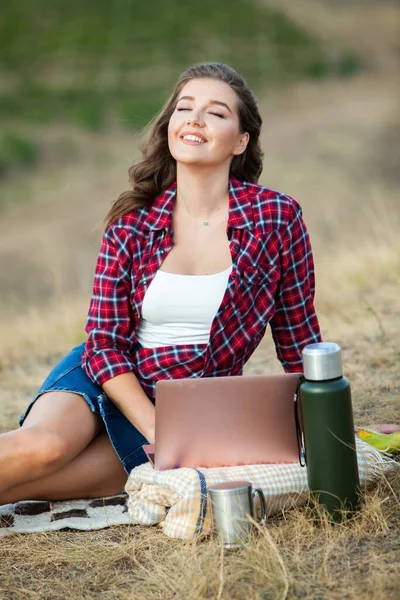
point(224, 421)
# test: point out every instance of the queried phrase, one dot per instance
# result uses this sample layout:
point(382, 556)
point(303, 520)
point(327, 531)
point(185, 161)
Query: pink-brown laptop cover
point(224, 421)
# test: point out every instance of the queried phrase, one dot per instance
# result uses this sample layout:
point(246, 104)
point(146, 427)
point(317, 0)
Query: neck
point(201, 192)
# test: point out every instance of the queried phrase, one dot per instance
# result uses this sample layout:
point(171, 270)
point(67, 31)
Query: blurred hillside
point(80, 79)
point(105, 62)
point(85, 60)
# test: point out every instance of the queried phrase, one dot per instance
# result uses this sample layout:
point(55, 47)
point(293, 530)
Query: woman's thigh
point(67, 418)
point(95, 472)
point(68, 376)
point(64, 414)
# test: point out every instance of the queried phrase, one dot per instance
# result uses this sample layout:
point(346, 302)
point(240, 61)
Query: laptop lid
point(225, 421)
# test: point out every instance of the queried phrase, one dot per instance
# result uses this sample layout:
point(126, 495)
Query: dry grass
point(328, 146)
point(298, 555)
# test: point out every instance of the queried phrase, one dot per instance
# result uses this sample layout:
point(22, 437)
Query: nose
point(195, 121)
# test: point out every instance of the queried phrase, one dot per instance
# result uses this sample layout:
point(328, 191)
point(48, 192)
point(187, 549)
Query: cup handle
point(263, 504)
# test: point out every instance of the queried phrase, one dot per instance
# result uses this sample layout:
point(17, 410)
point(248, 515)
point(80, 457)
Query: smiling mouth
point(193, 140)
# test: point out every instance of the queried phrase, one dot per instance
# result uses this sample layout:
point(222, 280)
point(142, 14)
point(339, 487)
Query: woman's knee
point(43, 448)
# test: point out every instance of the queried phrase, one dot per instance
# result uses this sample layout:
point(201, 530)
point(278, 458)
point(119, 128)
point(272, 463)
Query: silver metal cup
point(231, 503)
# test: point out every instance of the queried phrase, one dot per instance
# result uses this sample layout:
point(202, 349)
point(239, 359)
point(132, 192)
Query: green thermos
point(328, 429)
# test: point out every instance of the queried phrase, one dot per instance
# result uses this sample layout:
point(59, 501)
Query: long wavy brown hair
point(156, 171)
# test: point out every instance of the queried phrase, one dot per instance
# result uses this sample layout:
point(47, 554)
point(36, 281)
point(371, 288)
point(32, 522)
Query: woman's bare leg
point(95, 472)
point(58, 427)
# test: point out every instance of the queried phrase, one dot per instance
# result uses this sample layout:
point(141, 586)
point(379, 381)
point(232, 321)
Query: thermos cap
point(322, 361)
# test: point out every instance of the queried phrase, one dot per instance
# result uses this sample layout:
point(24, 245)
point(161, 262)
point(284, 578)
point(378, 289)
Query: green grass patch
point(87, 62)
point(17, 151)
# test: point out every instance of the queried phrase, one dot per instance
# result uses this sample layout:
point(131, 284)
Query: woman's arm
point(128, 396)
point(295, 323)
point(107, 357)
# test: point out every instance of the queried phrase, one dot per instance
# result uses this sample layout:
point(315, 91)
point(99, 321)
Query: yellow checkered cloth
point(177, 499)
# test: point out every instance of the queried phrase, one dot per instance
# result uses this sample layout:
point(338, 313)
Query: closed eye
point(211, 113)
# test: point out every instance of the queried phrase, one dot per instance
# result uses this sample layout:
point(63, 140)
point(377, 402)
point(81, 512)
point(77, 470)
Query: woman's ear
point(242, 144)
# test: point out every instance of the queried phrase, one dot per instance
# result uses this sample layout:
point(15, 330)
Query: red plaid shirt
point(272, 281)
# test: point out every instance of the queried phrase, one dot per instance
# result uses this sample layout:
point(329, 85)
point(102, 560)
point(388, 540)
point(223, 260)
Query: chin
point(192, 160)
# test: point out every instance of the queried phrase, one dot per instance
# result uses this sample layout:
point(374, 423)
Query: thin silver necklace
point(204, 223)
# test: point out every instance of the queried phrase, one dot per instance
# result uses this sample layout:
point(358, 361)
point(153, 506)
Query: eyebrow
point(211, 101)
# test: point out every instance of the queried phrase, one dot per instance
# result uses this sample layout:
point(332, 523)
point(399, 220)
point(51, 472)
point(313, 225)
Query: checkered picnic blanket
point(177, 499)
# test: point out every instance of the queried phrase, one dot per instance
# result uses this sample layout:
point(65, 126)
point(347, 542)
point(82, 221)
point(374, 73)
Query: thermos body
point(328, 430)
point(329, 440)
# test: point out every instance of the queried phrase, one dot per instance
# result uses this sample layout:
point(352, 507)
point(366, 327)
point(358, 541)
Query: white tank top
point(179, 309)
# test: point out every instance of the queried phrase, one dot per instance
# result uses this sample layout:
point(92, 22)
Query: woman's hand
point(151, 436)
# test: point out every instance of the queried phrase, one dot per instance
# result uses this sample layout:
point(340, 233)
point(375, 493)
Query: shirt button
point(162, 251)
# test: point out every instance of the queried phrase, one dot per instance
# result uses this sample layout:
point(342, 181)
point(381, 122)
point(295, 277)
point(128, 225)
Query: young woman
point(195, 261)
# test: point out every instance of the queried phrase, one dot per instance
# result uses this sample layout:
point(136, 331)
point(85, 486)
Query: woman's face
point(204, 127)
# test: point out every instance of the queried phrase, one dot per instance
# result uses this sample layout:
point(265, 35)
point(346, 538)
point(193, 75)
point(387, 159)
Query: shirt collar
point(240, 208)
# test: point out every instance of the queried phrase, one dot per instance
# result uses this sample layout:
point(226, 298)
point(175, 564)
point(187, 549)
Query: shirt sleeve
point(295, 324)
point(109, 323)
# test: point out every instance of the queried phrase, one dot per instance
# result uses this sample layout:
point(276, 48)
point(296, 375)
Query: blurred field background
point(78, 82)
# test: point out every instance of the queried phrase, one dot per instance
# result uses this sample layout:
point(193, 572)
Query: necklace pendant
point(205, 223)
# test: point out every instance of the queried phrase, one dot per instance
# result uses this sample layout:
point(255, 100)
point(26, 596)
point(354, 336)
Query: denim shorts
point(68, 376)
